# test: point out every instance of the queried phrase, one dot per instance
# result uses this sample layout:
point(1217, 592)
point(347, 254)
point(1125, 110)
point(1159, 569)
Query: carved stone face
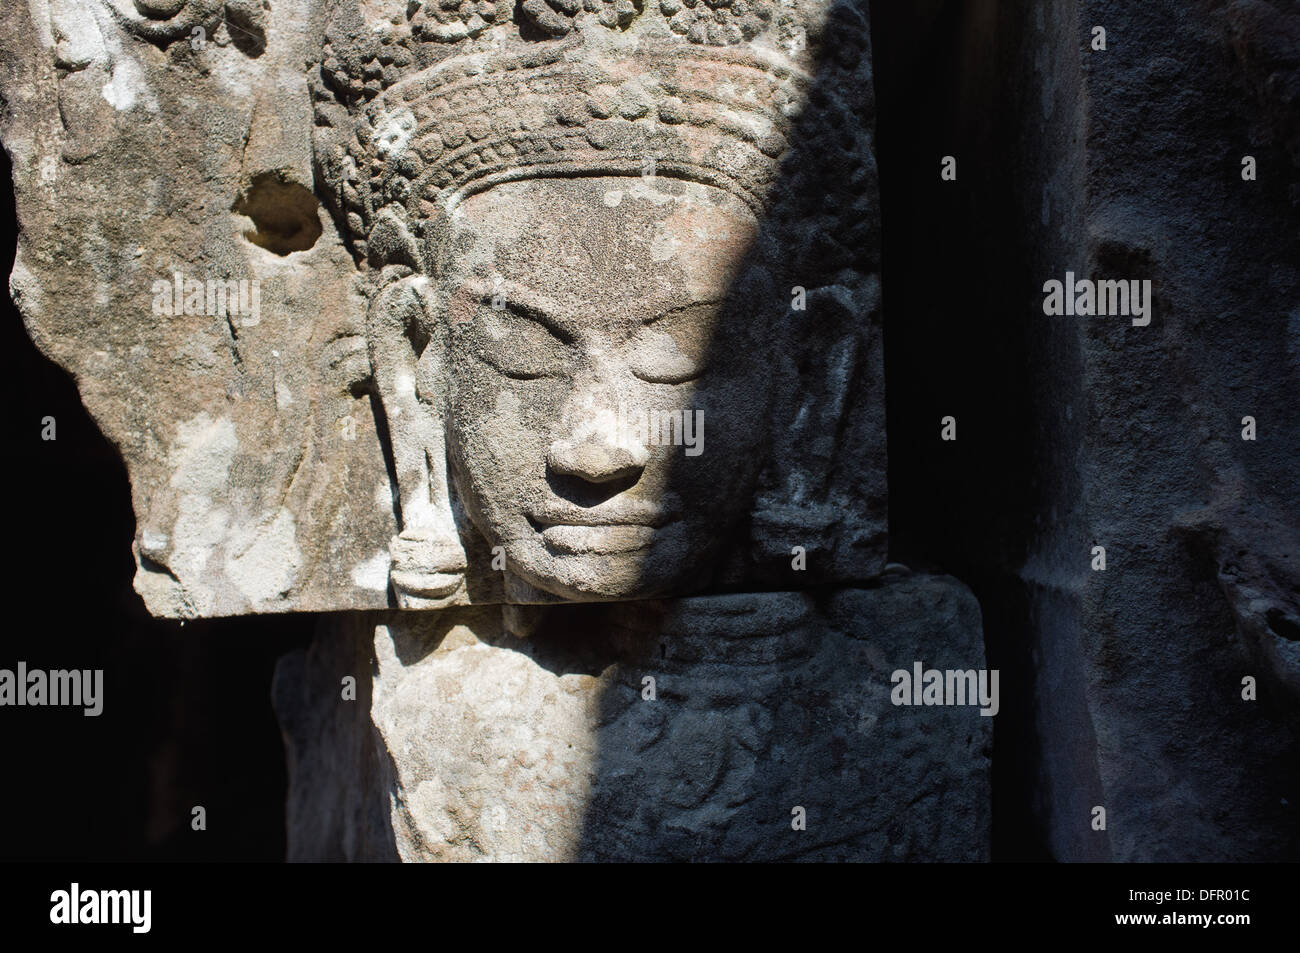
point(606, 397)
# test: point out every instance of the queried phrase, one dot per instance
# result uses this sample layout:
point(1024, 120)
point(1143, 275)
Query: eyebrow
point(528, 304)
point(544, 311)
point(701, 303)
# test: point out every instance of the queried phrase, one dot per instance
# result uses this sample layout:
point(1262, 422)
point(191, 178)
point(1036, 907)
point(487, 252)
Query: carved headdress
point(769, 101)
point(448, 98)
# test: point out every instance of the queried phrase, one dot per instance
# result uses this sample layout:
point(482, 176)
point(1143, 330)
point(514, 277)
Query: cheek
point(501, 425)
point(734, 409)
point(731, 438)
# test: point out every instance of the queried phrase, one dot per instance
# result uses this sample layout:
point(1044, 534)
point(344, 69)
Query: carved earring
point(428, 560)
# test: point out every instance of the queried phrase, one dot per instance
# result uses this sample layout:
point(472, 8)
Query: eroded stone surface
point(487, 747)
point(1117, 163)
point(287, 382)
point(131, 149)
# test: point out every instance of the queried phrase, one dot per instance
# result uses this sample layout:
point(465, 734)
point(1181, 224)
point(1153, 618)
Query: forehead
point(617, 242)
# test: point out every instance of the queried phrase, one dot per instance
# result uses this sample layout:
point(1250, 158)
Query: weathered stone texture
point(288, 452)
point(486, 747)
point(1126, 163)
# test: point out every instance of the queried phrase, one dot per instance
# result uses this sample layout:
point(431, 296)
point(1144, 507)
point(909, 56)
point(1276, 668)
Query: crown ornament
point(449, 97)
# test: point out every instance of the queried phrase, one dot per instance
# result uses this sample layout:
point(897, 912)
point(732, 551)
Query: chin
point(647, 573)
point(587, 578)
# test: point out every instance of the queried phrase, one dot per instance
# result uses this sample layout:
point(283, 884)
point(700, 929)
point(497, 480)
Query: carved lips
point(572, 531)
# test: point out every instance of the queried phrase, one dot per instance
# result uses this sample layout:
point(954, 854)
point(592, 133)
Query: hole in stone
point(417, 335)
point(159, 9)
point(245, 24)
point(1283, 625)
point(285, 215)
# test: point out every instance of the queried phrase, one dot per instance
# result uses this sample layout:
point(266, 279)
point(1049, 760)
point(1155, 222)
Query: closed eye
point(503, 303)
point(672, 348)
point(516, 344)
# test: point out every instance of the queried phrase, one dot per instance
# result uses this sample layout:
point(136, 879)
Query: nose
point(597, 460)
point(594, 456)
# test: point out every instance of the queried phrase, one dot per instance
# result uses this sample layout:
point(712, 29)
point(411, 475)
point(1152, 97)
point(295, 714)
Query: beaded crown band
point(418, 112)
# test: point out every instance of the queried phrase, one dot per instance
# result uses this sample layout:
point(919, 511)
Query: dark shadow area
point(338, 804)
point(186, 715)
point(247, 27)
point(956, 344)
point(785, 654)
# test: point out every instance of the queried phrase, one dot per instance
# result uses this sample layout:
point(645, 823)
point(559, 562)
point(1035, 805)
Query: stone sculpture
point(581, 254)
point(591, 315)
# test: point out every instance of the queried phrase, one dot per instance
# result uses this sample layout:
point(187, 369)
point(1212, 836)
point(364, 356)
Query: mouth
point(597, 540)
point(576, 532)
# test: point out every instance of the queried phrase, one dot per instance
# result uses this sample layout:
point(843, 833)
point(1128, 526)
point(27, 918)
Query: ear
point(428, 557)
point(837, 513)
point(395, 336)
point(391, 243)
